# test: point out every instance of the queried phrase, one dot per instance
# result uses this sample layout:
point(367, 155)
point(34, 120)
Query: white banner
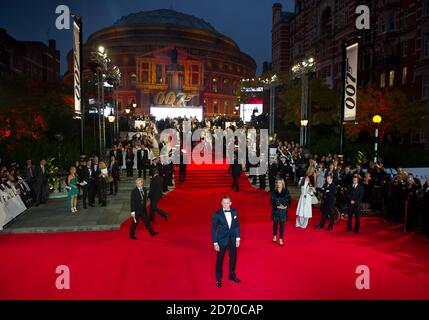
point(350, 84)
point(77, 77)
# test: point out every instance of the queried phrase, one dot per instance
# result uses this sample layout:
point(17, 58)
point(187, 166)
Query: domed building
point(171, 58)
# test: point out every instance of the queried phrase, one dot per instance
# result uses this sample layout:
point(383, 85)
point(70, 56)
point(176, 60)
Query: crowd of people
point(354, 187)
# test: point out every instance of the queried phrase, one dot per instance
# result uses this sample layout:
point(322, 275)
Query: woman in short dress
point(73, 190)
point(280, 201)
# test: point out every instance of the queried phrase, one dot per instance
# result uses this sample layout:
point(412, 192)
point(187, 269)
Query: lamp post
point(303, 70)
point(105, 71)
point(377, 120)
point(303, 137)
point(111, 119)
point(271, 84)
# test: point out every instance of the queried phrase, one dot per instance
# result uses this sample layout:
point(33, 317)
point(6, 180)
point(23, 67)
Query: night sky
point(248, 22)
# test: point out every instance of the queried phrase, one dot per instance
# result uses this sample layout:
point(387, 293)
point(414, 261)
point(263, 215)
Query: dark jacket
point(40, 177)
point(138, 203)
point(142, 158)
point(329, 196)
point(221, 233)
point(86, 174)
point(278, 199)
point(114, 171)
point(156, 186)
point(355, 194)
point(119, 156)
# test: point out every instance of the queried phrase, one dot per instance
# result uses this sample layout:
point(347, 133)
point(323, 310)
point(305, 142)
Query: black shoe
point(356, 231)
point(348, 230)
point(318, 227)
point(329, 229)
point(234, 278)
point(85, 207)
point(166, 218)
point(91, 205)
point(154, 234)
point(133, 238)
point(219, 284)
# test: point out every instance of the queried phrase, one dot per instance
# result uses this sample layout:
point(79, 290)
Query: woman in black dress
point(280, 201)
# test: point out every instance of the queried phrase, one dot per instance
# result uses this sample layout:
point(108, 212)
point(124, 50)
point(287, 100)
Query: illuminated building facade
point(170, 58)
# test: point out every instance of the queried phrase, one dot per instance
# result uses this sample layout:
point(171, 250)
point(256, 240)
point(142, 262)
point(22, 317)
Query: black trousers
point(102, 192)
point(235, 185)
point(92, 191)
point(232, 252)
point(85, 190)
point(282, 228)
point(154, 208)
point(41, 192)
point(262, 181)
point(114, 183)
point(143, 169)
point(182, 173)
point(327, 212)
point(130, 170)
point(354, 210)
point(143, 216)
point(272, 181)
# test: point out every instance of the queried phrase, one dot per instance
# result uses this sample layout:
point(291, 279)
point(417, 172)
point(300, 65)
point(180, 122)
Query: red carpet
point(179, 263)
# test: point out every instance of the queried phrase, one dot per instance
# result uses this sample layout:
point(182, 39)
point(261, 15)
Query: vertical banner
point(76, 71)
point(350, 84)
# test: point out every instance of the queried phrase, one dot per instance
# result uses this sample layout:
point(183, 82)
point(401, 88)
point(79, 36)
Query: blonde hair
point(310, 171)
point(282, 183)
point(102, 165)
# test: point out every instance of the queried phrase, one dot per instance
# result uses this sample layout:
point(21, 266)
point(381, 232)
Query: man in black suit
point(87, 178)
point(138, 209)
point(236, 169)
point(226, 236)
point(155, 194)
point(41, 183)
point(182, 166)
point(96, 171)
point(114, 173)
point(117, 152)
point(142, 160)
point(354, 198)
point(29, 176)
point(329, 196)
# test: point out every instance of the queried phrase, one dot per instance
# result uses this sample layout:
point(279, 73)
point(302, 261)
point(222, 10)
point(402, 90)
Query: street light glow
point(376, 119)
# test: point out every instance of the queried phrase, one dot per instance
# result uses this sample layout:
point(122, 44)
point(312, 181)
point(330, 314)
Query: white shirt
point(228, 217)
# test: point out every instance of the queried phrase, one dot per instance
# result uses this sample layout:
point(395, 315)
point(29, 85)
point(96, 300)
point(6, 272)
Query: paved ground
point(55, 217)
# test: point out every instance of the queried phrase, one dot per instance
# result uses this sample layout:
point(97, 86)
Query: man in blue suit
point(226, 236)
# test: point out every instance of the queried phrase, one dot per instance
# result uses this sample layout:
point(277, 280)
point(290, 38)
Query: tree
point(399, 113)
point(32, 114)
point(324, 101)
